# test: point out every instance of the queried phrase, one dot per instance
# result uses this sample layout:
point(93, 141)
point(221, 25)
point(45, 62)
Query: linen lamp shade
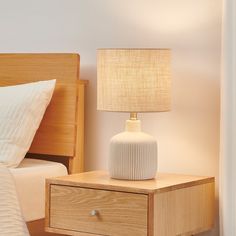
point(133, 80)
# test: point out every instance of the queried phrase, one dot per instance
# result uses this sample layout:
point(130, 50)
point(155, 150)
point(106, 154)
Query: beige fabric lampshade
point(133, 80)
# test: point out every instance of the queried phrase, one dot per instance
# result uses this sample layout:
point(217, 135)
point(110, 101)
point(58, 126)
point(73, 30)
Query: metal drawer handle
point(94, 213)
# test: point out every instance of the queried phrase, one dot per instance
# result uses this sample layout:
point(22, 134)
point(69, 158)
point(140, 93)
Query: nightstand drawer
point(98, 211)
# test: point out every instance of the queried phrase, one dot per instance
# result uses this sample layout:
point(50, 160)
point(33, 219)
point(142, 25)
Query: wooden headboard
point(61, 132)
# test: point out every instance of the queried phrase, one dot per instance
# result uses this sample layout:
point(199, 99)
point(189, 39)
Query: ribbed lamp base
point(133, 154)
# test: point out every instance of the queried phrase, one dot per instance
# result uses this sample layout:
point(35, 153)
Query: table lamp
point(133, 80)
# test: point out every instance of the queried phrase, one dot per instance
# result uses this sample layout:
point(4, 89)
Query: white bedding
point(30, 185)
point(11, 220)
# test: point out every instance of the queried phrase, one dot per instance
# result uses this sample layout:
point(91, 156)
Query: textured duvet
point(11, 220)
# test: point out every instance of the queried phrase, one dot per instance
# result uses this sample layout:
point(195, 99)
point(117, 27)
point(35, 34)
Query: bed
point(60, 137)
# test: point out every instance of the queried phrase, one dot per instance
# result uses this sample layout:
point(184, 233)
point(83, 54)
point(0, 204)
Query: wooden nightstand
point(91, 203)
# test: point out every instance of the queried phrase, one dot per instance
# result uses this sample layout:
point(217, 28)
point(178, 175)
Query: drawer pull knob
point(94, 213)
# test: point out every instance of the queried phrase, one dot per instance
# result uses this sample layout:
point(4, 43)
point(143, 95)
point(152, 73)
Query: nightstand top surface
point(101, 180)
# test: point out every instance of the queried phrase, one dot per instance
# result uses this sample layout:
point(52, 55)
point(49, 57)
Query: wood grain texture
point(36, 228)
point(150, 214)
point(47, 204)
point(184, 211)
point(162, 183)
point(172, 204)
point(53, 231)
point(77, 164)
point(119, 213)
point(59, 130)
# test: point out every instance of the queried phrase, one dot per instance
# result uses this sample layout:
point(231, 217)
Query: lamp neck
point(133, 116)
point(133, 124)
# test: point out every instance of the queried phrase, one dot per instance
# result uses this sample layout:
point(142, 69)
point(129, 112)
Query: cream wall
point(188, 136)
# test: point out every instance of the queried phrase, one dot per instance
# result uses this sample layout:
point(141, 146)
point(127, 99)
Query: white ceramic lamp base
point(133, 154)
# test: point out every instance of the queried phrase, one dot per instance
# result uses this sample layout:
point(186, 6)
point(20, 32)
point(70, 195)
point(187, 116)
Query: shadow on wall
point(95, 133)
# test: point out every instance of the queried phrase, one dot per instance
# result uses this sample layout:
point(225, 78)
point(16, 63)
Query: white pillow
point(21, 110)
